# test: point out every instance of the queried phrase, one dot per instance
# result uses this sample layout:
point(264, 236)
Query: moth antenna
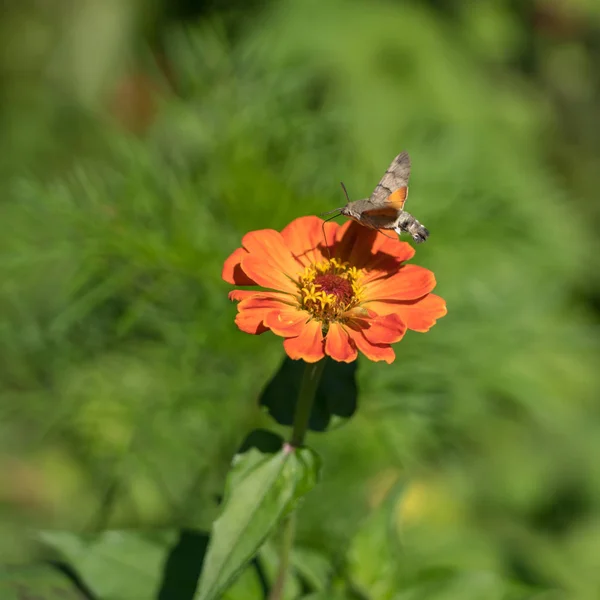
point(329, 212)
point(345, 191)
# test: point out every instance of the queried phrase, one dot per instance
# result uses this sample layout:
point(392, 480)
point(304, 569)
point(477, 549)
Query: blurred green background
point(140, 140)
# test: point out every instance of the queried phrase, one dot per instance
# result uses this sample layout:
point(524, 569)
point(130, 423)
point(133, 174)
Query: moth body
point(406, 222)
point(402, 222)
point(384, 208)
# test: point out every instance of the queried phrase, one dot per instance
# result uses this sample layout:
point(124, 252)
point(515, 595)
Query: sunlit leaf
point(260, 490)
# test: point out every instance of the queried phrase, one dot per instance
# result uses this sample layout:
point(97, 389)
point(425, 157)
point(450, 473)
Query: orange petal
point(408, 283)
point(344, 240)
point(402, 251)
point(238, 295)
point(385, 330)
point(253, 310)
point(380, 267)
point(338, 344)
point(308, 345)
point(268, 244)
point(374, 352)
point(360, 312)
point(267, 301)
point(232, 269)
point(266, 273)
point(387, 260)
point(354, 243)
point(369, 249)
point(304, 238)
point(287, 322)
point(251, 321)
point(419, 315)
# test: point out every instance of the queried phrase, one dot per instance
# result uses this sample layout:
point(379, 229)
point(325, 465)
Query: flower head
point(332, 295)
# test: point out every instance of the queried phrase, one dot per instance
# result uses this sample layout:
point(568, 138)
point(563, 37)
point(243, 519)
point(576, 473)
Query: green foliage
point(336, 396)
point(37, 581)
point(126, 388)
point(115, 564)
point(261, 489)
point(374, 556)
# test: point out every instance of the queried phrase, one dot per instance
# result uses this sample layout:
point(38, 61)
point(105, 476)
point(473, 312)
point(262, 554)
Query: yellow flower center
point(329, 289)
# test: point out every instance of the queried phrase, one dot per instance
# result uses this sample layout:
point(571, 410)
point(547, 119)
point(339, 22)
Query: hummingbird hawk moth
point(384, 209)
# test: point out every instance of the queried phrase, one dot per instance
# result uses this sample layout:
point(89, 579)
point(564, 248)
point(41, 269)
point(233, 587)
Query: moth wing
point(388, 212)
point(381, 218)
point(392, 189)
point(390, 207)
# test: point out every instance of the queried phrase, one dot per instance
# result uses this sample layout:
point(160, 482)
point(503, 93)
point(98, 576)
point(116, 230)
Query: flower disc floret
point(329, 289)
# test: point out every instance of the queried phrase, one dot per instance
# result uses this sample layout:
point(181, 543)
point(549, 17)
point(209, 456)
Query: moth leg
point(383, 231)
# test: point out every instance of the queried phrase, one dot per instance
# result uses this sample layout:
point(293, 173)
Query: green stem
point(306, 398)
point(287, 541)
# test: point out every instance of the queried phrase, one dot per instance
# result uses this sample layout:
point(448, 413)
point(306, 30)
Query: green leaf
point(115, 565)
point(329, 595)
point(373, 557)
point(263, 440)
point(336, 397)
point(248, 586)
point(469, 585)
point(261, 489)
point(183, 566)
point(37, 582)
point(313, 567)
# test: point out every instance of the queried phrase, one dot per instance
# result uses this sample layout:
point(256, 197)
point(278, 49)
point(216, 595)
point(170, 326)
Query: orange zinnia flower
point(333, 296)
